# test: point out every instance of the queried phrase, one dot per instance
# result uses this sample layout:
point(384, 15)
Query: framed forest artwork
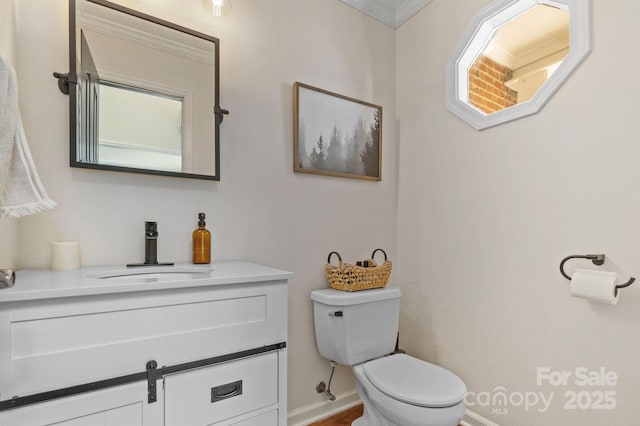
point(336, 135)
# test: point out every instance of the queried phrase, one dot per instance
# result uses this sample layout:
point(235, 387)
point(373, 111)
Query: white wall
point(485, 218)
point(8, 29)
point(8, 227)
point(260, 211)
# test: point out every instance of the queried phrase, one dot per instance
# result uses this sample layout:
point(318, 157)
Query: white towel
point(21, 192)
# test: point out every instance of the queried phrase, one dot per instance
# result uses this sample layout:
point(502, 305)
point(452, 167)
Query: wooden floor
point(341, 419)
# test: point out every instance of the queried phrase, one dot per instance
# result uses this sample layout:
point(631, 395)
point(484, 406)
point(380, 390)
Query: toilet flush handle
point(335, 314)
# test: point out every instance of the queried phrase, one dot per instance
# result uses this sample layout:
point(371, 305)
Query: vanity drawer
point(171, 327)
point(210, 395)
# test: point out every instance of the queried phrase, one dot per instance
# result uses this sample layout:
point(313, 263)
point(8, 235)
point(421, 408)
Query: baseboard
point(472, 419)
point(308, 414)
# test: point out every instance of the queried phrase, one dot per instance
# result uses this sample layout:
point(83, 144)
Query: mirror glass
point(146, 93)
point(514, 55)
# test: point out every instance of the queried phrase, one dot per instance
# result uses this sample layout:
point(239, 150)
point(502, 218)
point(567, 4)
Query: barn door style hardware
point(151, 375)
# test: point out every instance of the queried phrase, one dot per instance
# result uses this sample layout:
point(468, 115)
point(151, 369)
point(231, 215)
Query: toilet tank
point(353, 327)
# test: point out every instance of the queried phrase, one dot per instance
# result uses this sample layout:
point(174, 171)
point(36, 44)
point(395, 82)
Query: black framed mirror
point(144, 93)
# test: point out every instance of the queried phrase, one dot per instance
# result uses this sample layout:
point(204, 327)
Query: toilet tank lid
point(330, 296)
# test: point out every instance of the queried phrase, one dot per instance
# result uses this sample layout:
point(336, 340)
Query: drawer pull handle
point(227, 391)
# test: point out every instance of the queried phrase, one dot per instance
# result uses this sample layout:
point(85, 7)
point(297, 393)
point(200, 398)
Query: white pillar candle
point(65, 255)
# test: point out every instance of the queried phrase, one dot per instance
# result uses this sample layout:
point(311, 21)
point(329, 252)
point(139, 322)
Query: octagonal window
point(514, 55)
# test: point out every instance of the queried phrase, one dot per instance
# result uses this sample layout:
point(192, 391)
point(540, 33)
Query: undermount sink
point(155, 273)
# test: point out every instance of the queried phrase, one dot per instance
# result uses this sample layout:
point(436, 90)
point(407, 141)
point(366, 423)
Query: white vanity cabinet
point(112, 348)
point(118, 406)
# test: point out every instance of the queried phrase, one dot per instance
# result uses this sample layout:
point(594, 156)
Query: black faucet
point(151, 243)
point(150, 247)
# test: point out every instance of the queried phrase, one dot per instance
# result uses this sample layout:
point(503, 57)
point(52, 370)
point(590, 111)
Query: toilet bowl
point(405, 391)
point(359, 329)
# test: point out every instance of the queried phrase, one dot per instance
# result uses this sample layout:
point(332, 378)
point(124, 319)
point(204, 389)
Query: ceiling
point(390, 12)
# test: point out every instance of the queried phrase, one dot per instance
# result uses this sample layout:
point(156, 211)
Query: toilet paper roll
point(65, 255)
point(597, 286)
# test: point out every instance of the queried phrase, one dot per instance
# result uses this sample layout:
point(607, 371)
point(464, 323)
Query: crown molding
point(376, 9)
point(407, 9)
point(388, 15)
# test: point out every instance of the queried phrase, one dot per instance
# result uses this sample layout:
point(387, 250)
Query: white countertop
point(36, 284)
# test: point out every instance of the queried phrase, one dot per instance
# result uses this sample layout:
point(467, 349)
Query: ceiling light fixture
point(218, 7)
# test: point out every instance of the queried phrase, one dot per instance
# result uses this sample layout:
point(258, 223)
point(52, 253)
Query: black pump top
point(201, 221)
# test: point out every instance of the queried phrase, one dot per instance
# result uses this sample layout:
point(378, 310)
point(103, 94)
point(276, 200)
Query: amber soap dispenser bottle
point(201, 242)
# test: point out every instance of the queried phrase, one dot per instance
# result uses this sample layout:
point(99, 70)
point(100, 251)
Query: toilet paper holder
point(596, 259)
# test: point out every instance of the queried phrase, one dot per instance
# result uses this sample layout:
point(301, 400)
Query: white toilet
point(359, 329)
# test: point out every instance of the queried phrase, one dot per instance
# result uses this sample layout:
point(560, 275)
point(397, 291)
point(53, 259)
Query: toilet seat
point(414, 381)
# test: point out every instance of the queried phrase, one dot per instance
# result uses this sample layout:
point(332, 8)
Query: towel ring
point(596, 259)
